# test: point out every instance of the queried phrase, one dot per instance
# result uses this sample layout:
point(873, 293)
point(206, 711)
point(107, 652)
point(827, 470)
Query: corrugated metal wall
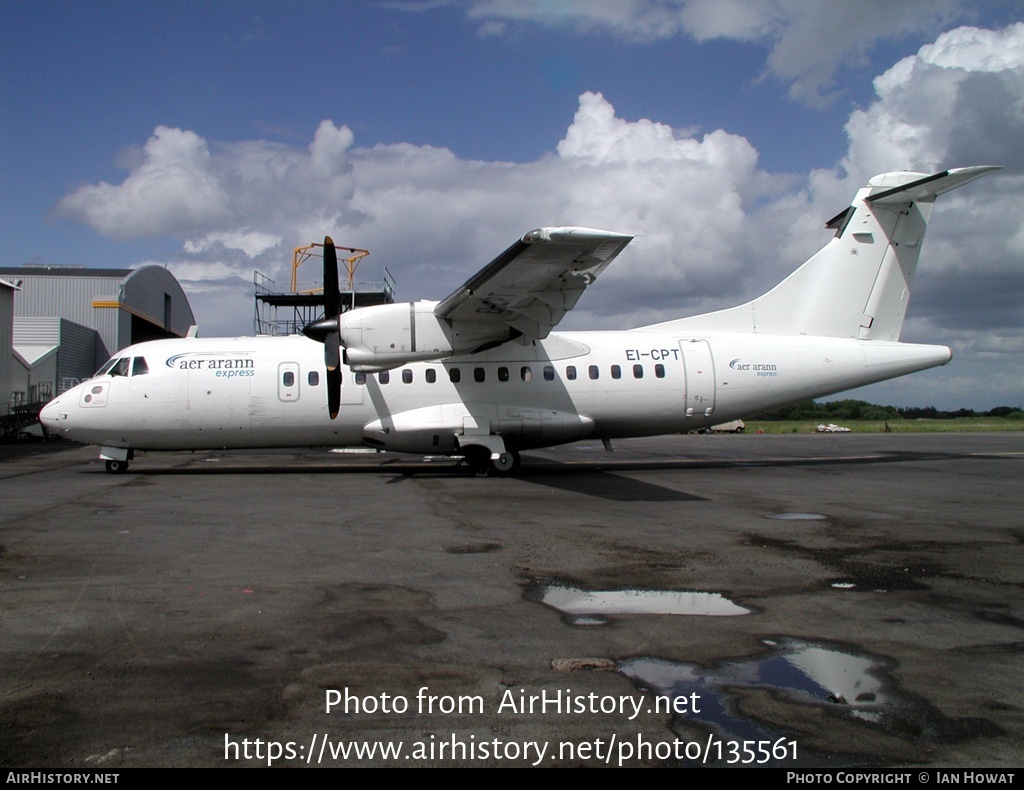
point(153, 292)
point(71, 297)
point(37, 331)
point(6, 346)
point(77, 347)
point(77, 358)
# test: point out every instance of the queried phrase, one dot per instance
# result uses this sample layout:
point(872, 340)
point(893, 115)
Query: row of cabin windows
point(480, 374)
point(136, 366)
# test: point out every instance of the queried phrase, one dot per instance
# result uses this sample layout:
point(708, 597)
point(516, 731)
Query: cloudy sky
point(215, 137)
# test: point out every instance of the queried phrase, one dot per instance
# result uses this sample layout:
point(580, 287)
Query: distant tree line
point(832, 411)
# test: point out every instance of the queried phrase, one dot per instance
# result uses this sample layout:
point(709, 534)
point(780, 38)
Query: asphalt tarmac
point(805, 600)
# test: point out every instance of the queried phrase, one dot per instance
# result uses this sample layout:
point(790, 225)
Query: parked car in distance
point(831, 428)
point(734, 426)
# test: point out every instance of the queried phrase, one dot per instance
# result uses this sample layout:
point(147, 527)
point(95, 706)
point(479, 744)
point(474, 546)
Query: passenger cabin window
point(407, 377)
point(360, 378)
point(549, 373)
point(526, 374)
point(570, 372)
point(478, 374)
point(659, 371)
point(384, 376)
point(502, 374)
point(594, 371)
point(139, 366)
point(638, 371)
point(288, 378)
point(616, 372)
point(431, 375)
point(313, 378)
point(455, 375)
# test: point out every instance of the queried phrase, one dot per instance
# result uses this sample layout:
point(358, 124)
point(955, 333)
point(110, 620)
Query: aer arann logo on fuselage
point(760, 368)
point(195, 360)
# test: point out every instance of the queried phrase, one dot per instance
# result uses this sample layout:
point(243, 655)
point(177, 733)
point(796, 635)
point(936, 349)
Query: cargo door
point(700, 378)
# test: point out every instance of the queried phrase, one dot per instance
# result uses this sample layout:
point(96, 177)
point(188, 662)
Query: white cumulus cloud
point(252, 243)
point(807, 40)
point(958, 100)
point(174, 190)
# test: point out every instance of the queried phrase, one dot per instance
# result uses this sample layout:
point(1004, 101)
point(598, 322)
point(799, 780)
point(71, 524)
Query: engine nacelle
point(391, 335)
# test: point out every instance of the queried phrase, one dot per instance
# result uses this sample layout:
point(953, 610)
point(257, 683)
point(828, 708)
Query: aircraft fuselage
point(255, 392)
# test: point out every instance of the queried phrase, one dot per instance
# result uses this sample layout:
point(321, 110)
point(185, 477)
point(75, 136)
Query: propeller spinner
point(328, 329)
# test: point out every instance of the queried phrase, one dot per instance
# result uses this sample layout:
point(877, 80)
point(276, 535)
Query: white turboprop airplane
point(480, 374)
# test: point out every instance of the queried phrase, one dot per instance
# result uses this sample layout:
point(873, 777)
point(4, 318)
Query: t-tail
point(857, 285)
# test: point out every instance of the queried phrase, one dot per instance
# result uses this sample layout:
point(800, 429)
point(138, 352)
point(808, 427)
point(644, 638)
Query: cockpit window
point(120, 367)
point(106, 366)
point(124, 366)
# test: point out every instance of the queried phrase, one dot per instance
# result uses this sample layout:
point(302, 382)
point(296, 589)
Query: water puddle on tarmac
point(851, 685)
point(589, 607)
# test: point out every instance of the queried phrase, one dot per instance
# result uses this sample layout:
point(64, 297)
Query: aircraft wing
point(532, 284)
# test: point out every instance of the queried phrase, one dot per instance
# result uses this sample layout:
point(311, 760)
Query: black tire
point(117, 467)
point(477, 459)
point(506, 465)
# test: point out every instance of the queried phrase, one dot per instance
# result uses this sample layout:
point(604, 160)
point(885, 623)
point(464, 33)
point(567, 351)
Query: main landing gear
point(117, 467)
point(480, 463)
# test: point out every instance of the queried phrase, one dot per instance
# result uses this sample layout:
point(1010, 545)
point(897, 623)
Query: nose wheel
point(117, 467)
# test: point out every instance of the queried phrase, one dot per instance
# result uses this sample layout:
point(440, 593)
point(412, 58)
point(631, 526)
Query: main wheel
point(505, 464)
point(477, 459)
point(117, 467)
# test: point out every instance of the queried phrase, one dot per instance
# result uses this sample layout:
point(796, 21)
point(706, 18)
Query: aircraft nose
point(49, 415)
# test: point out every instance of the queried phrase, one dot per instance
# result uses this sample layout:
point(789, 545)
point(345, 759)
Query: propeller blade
point(332, 349)
point(328, 329)
point(333, 391)
point(332, 294)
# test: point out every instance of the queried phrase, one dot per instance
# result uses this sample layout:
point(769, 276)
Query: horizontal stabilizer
point(930, 187)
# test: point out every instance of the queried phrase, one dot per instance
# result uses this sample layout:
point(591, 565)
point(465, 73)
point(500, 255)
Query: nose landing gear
point(116, 458)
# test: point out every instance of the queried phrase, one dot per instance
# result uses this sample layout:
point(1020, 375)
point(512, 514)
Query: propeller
point(328, 329)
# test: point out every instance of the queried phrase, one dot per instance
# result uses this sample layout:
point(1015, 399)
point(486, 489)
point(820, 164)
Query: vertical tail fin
point(859, 283)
